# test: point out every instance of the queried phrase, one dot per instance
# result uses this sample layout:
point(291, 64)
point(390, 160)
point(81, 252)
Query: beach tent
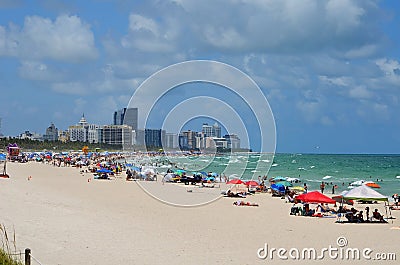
point(364, 193)
point(315, 197)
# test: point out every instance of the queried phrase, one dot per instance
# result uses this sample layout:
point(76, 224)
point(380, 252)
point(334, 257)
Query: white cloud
point(139, 22)
point(336, 81)
point(65, 39)
point(360, 92)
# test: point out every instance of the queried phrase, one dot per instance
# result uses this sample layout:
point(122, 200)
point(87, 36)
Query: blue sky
point(329, 69)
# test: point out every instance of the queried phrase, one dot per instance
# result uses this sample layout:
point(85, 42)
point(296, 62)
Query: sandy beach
point(66, 219)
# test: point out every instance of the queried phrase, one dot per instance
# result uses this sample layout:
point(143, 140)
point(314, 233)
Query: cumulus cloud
point(67, 38)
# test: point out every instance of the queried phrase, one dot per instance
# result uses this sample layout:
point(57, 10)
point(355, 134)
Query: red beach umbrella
point(235, 181)
point(315, 197)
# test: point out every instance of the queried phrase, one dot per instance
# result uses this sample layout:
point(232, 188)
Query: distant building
point(63, 136)
point(191, 139)
point(139, 137)
point(171, 141)
point(116, 134)
point(220, 142)
point(126, 116)
point(211, 130)
point(233, 141)
point(51, 133)
point(183, 142)
point(84, 132)
point(154, 138)
point(31, 136)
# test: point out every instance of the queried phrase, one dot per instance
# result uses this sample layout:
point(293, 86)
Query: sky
point(330, 70)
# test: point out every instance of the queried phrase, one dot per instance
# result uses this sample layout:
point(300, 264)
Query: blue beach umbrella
point(103, 170)
point(137, 169)
point(278, 187)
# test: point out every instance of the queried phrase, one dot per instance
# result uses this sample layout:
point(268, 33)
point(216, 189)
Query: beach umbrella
point(251, 183)
point(278, 187)
point(372, 185)
point(285, 183)
point(235, 181)
point(297, 188)
point(179, 172)
point(237, 188)
point(137, 169)
point(103, 170)
point(315, 197)
point(210, 179)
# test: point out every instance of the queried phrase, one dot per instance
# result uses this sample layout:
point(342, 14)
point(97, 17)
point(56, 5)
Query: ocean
point(312, 169)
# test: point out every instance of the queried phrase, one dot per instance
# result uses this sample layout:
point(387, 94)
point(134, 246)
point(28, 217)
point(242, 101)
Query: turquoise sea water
point(310, 168)
point(342, 168)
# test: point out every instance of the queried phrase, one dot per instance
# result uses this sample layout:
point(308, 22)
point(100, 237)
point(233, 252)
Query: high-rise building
point(116, 134)
point(171, 141)
point(183, 142)
point(51, 133)
point(154, 138)
point(217, 130)
point(84, 132)
point(191, 139)
point(211, 130)
point(126, 116)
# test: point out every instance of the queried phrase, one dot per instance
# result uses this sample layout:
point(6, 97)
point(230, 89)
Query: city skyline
point(210, 136)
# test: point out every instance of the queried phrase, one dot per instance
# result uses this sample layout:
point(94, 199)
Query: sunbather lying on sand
point(243, 203)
